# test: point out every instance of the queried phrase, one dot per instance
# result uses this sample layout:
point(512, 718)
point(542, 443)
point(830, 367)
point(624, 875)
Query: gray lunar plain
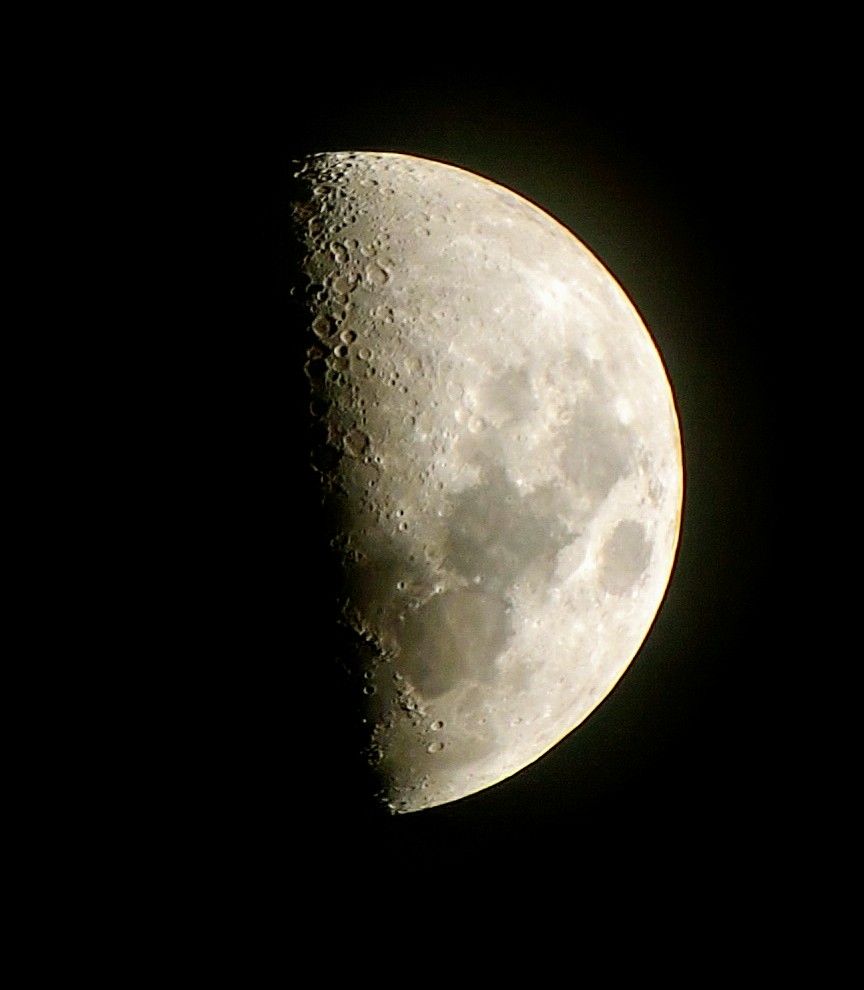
point(502, 458)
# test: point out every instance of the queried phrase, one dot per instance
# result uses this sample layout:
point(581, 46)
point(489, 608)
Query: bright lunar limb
point(501, 457)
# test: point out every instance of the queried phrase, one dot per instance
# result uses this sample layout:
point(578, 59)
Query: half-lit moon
point(501, 453)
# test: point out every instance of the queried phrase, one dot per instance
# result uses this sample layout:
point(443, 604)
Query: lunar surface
point(500, 456)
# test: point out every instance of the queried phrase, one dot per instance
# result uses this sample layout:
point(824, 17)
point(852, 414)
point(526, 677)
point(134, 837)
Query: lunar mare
point(500, 453)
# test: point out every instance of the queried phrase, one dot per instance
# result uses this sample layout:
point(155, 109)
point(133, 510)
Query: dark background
point(687, 181)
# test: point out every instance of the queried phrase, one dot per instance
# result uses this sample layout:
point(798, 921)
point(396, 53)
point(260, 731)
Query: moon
point(499, 453)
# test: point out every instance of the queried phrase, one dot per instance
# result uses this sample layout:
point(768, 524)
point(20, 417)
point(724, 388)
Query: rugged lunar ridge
point(500, 447)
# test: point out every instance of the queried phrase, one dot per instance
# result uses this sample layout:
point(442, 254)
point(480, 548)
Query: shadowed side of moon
point(499, 460)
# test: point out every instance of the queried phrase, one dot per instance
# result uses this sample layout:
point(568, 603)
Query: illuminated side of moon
point(502, 454)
